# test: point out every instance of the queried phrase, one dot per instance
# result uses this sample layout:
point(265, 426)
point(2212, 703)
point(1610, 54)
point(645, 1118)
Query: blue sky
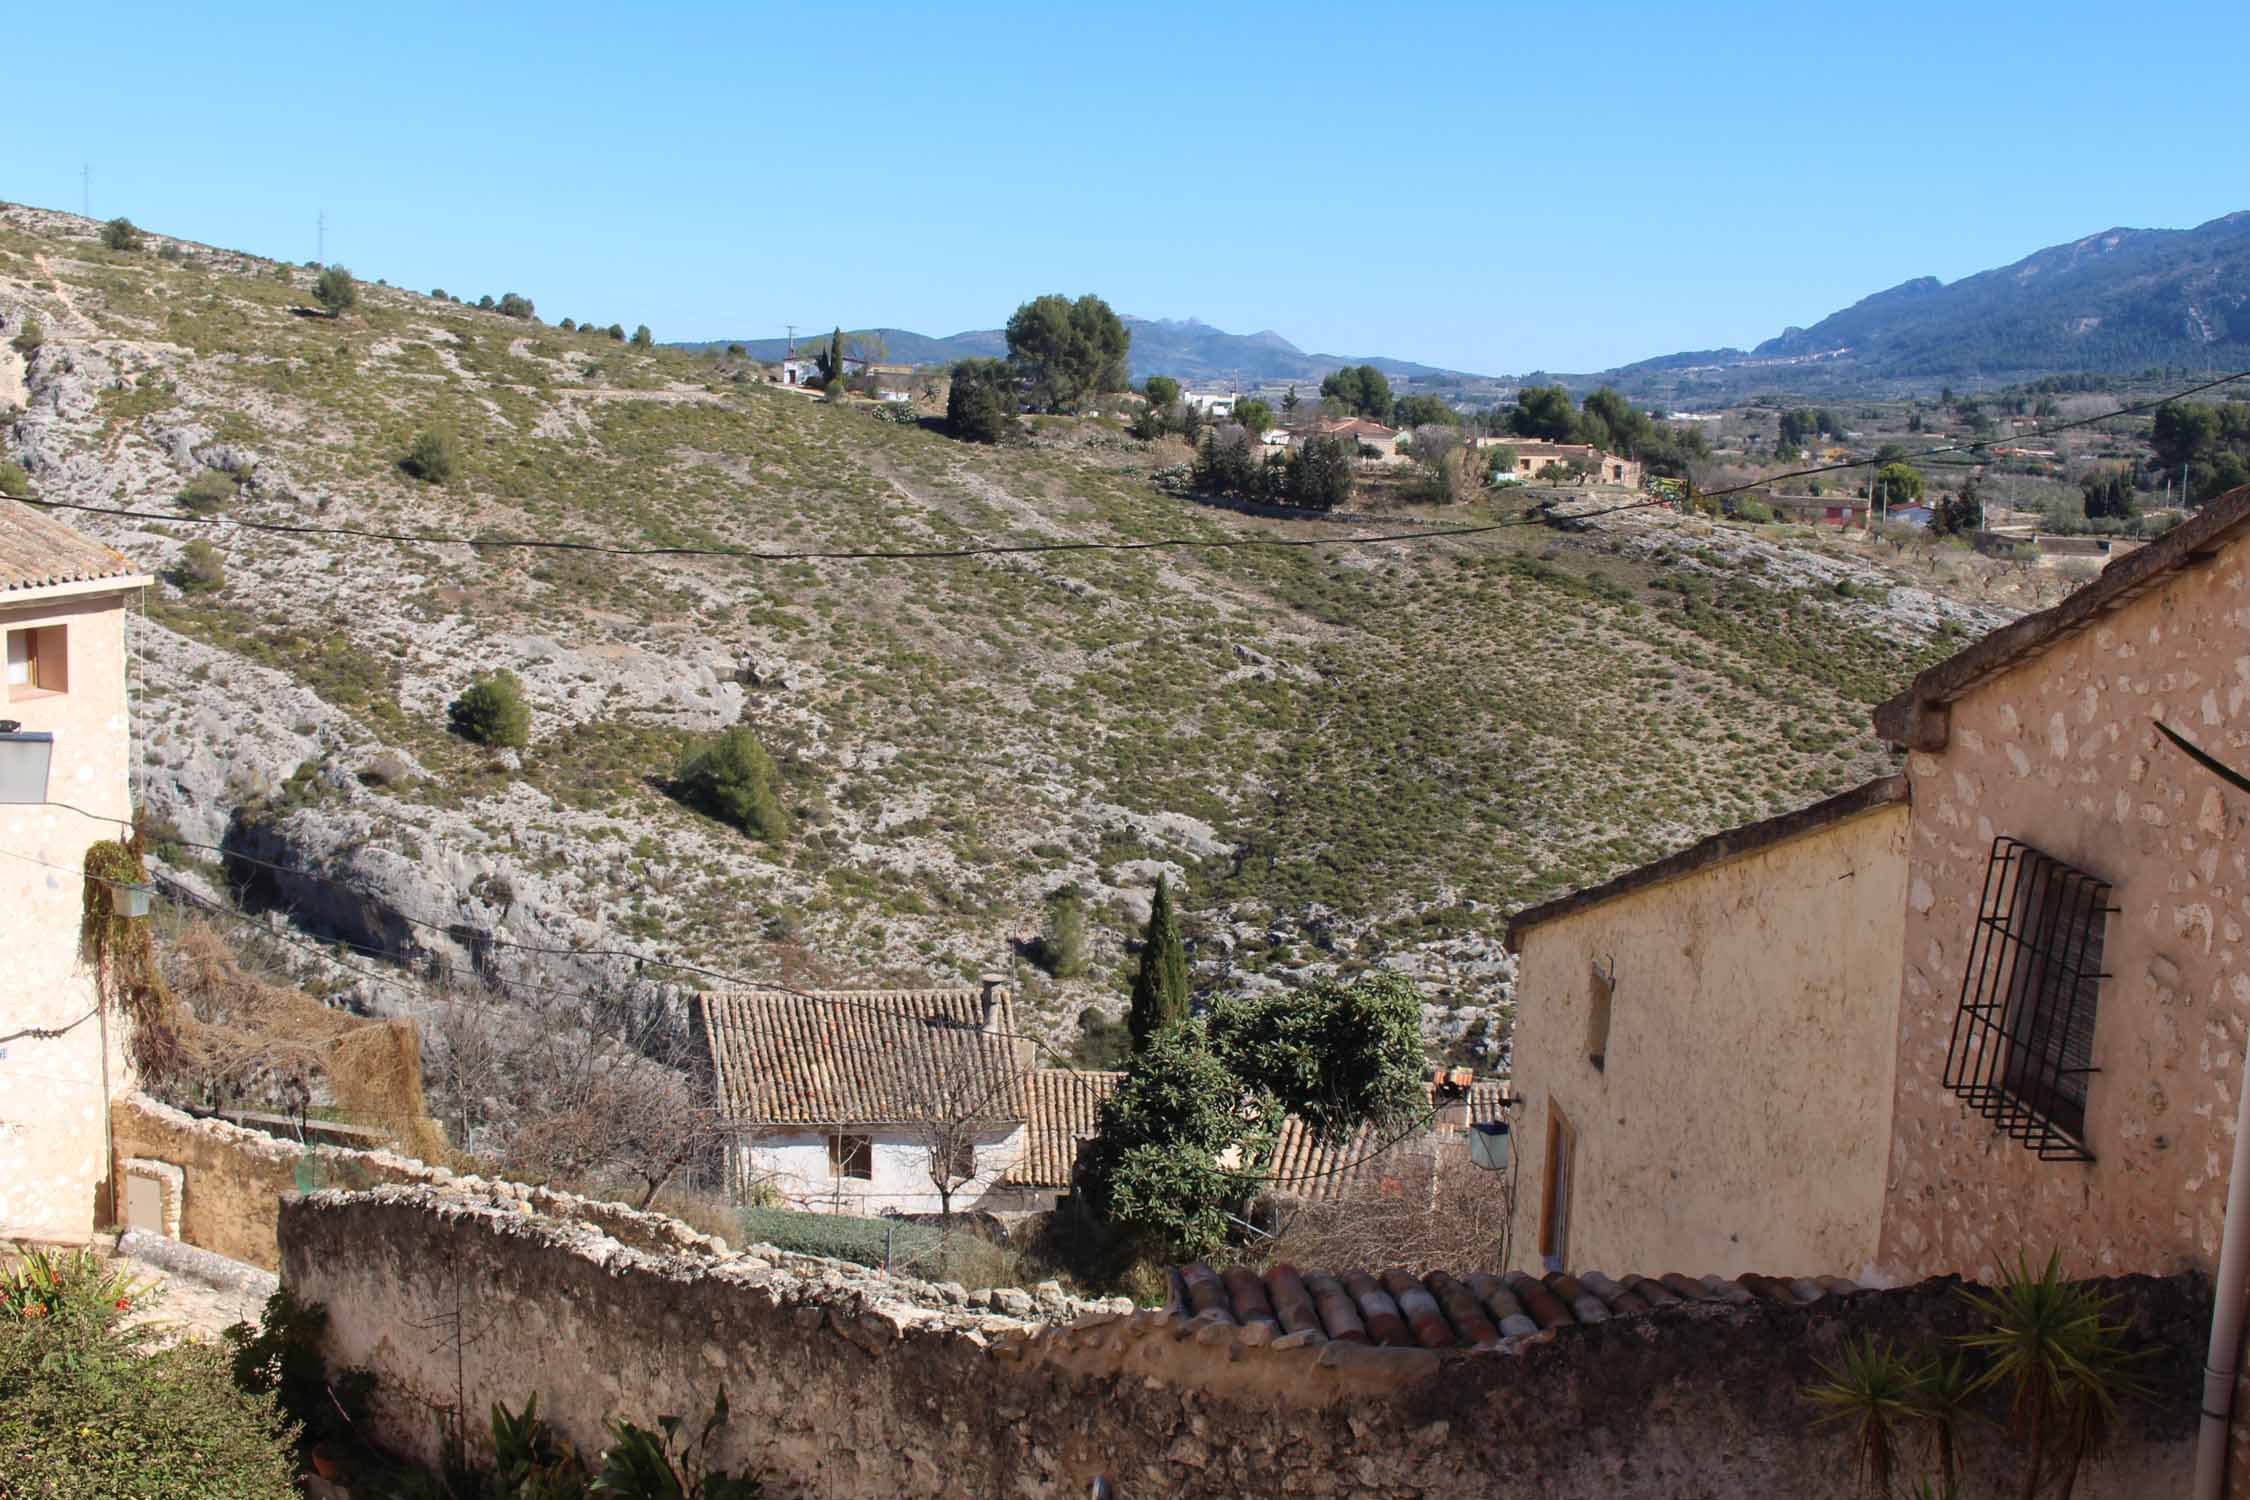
point(1492, 187)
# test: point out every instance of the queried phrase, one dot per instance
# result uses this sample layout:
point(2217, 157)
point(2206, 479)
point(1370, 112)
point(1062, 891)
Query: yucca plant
point(2066, 1367)
point(1944, 1389)
point(1877, 1392)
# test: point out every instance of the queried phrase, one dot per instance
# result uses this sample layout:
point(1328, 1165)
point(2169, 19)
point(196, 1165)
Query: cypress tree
point(836, 355)
point(1160, 988)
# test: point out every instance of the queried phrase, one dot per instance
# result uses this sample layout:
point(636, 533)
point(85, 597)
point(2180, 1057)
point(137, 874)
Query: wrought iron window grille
point(2022, 1046)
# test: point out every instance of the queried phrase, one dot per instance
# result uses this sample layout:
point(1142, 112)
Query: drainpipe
point(2226, 1316)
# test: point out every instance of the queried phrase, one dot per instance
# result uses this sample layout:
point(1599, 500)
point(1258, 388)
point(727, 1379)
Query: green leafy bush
point(88, 1411)
point(492, 711)
point(120, 234)
point(201, 570)
point(981, 404)
point(435, 458)
point(335, 291)
point(29, 337)
point(208, 493)
point(514, 306)
point(733, 779)
point(14, 482)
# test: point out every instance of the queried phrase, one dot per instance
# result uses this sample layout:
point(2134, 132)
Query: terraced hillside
point(1346, 754)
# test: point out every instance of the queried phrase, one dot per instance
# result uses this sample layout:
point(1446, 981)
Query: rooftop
point(1061, 1108)
point(1472, 1311)
point(37, 551)
point(865, 1057)
point(1916, 717)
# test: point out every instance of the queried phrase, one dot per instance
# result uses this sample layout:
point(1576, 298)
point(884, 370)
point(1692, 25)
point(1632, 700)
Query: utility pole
point(792, 339)
point(320, 253)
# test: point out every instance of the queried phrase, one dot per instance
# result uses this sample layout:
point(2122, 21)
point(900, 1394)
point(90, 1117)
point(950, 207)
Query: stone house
point(2076, 985)
point(1703, 1050)
point(1384, 440)
point(65, 758)
point(868, 1101)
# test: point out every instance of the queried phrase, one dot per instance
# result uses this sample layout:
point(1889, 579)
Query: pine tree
point(1160, 989)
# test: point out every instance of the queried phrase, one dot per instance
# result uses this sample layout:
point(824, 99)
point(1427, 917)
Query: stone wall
point(232, 1182)
point(2059, 751)
point(848, 1383)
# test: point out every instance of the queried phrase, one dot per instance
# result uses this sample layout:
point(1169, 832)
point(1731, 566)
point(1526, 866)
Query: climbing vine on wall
point(123, 957)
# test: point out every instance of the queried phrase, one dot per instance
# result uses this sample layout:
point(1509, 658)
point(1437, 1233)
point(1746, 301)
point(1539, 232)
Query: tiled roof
point(1915, 718)
point(1472, 1311)
point(1061, 1107)
point(38, 551)
point(1373, 1160)
point(864, 1057)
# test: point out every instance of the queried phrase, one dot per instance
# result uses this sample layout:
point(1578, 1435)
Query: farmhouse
point(871, 1101)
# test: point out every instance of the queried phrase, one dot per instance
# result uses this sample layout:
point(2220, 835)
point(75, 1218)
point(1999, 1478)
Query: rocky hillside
point(1345, 755)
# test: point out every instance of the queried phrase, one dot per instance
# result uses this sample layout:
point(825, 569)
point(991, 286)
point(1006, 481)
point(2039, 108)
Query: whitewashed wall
point(797, 1166)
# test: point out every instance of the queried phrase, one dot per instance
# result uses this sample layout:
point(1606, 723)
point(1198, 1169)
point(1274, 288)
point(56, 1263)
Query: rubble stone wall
point(848, 1383)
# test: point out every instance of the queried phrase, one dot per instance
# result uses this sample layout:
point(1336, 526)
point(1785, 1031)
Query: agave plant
point(1879, 1394)
point(2066, 1367)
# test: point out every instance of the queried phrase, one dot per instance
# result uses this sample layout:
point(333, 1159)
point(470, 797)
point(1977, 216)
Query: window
point(38, 661)
point(1554, 1218)
point(1601, 985)
point(2023, 1040)
point(852, 1156)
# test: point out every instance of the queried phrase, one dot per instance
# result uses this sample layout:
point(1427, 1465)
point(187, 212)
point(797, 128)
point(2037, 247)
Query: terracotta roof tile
point(863, 1057)
point(1061, 1108)
point(1475, 1311)
point(38, 551)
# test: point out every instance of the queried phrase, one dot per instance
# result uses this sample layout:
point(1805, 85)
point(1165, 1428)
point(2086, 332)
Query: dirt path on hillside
point(13, 392)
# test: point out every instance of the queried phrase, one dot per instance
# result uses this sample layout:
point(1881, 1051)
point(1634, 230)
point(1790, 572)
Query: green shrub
point(208, 493)
point(733, 779)
point(335, 291)
point(493, 711)
point(29, 337)
point(901, 412)
point(435, 458)
point(1062, 948)
point(643, 339)
point(201, 570)
point(119, 234)
point(14, 482)
point(89, 1412)
point(515, 306)
point(281, 1359)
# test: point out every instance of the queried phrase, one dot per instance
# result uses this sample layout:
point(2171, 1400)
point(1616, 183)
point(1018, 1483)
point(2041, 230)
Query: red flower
point(35, 1309)
point(124, 1304)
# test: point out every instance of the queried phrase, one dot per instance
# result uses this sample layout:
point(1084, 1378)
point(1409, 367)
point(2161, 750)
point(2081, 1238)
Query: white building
point(879, 1101)
point(1213, 404)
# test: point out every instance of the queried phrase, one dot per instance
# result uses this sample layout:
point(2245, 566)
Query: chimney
point(995, 996)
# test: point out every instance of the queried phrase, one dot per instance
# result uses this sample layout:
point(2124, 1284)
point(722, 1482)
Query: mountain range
point(2117, 302)
point(1183, 348)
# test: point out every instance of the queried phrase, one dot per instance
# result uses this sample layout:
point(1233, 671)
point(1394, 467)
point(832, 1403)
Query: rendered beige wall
point(2059, 752)
point(51, 1099)
point(1739, 1121)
